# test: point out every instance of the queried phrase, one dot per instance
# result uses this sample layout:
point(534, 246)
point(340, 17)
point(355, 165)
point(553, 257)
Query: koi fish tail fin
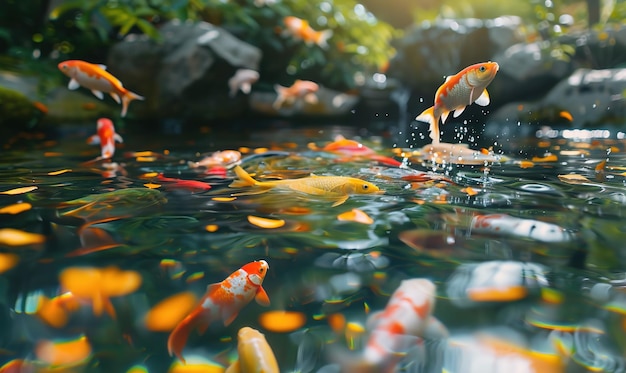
point(178, 337)
point(127, 98)
point(428, 116)
point(280, 99)
point(322, 38)
point(245, 180)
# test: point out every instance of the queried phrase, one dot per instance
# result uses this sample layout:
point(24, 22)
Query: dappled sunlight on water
point(101, 259)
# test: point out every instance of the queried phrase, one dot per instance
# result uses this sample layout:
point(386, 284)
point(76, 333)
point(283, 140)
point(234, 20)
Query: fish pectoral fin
point(444, 116)
point(116, 97)
point(483, 99)
point(340, 201)
point(458, 111)
point(93, 140)
point(98, 94)
point(73, 84)
point(229, 314)
point(118, 138)
point(261, 297)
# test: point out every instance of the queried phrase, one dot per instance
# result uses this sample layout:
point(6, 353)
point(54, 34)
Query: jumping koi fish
point(106, 137)
point(98, 80)
point(301, 30)
point(301, 89)
point(255, 354)
point(457, 92)
point(337, 187)
point(242, 80)
point(223, 301)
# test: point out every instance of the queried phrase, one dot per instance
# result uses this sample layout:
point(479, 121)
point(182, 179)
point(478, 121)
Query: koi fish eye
point(365, 187)
point(482, 69)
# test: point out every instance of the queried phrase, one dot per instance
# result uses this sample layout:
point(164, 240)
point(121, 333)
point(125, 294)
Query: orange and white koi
point(300, 89)
point(98, 80)
point(458, 91)
point(223, 301)
point(302, 30)
point(355, 150)
point(190, 185)
point(255, 354)
point(242, 80)
point(106, 137)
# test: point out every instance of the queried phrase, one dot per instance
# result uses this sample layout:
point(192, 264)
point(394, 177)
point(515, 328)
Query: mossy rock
point(17, 111)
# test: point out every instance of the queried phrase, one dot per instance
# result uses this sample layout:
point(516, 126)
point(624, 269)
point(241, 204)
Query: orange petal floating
point(224, 199)
point(355, 215)
point(145, 159)
point(469, 191)
point(152, 185)
point(165, 315)
point(506, 294)
point(567, 115)
point(16, 237)
point(282, 321)
point(573, 179)
point(60, 172)
point(8, 261)
point(211, 228)
point(547, 158)
point(117, 282)
point(55, 312)
point(21, 190)
point(265, 222)
point(16, 208)
point(196, 367)
point(63, 352)
point(149, 175)
point(337, 322)
point(526, 164)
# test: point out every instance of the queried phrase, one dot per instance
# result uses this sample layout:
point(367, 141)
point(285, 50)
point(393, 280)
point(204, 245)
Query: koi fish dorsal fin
point(448, 78)
point(483, 99)
point(103, 67)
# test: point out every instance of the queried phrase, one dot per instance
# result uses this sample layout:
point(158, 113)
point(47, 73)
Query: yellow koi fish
point(255, 354)
point(458, 91)
point(339, 187)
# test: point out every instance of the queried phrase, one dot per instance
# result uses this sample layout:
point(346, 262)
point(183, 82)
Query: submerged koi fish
point(223, 301)
point(98, 80)
point(300, 89)
point(300, 29)
point(354, 149)
point(503, 224)
point(457, 92)
point(255, 354)
point(338, 187)
point(190, 185)
point(106, 137)
point(242, 80)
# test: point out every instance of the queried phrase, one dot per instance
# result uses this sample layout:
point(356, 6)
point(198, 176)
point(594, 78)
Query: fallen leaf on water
point(54, 173)
point(355, 215)
point(469, 191)
point(265, 222)
point(63, 352)
point(21, 190)
point(16, 208)
point(600, 166)
point(211, 228)
point(166, 314)
point(16, 237)
point(526, 164)
point(145, 159)
point(148, 175)
point(152, 185)
point(282, 321)
point(573, 179)
point(566, 115)
point(8, 261)
point(547, 158)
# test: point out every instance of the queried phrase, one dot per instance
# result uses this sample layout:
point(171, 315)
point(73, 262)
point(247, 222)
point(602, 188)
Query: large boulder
point(185, 75)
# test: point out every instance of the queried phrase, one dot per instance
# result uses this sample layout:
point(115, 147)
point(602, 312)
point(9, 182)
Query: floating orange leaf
point(145, 159)
point(567, 115)
point(211, 228)
point(600, 166)
point(224, 199)
point(21, 190)
point(15, 237)
point(8, 261)
point(16, 208)
point(355, 215)
point(149, 175)
point(152, 185)
point(337, 322)
point(166, 314)
point(505, 294)
point(526, 164)
point(196, 367)
point(265, 222)
point(63, 352)
point(260, 150)
point(573, 179)
point(469, 191)
point(60, 172)
point(547, 158)
point(282, 321)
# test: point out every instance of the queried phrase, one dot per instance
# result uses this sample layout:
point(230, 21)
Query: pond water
point(100, 260)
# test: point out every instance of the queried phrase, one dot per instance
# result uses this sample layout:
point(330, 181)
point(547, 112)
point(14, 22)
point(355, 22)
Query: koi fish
point(301, 30)
point(255, 354)
point(457, 92)
point(191, 185)
point(503, 224)
point(224, 158)
point(300, 89)
point(338, 187)
point(355, 149)
point(223, 301)
point(242, 80)
point(106, 137)
point(98, 80)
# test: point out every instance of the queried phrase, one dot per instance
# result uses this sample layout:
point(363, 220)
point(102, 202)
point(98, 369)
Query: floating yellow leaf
point(244, 150)
point(282, 321)
point(355, 215)
point(152, 185)
point(224, 199)
point(526, 164)
point(54, 173)
point(63, 352)
point(16, 237)
point(196, 367)
point(21, 190)
point(547, 158)
point(149, 175)
point(16, 208)
point(469, 191)
point(145, 159)
point(8, 261)
point(573, 179)
point(265, 222)
point(164, 316)
point(505, 294)
point(211, 228)
point(260, 150)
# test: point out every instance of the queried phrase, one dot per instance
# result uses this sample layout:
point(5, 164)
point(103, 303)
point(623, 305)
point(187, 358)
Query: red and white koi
point(503, 224)
point(98, 80)
point(242, 80)
point(106, 137)
point(301, 29)
point(223, 301)
point(301, 89)
point(190, 185)
point(457, 92)
point(255, 354)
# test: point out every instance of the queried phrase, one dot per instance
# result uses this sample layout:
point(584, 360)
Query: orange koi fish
point(300, 89)
point(242, 80)
point(301, 30)
point(337, 187)
point(457, 92)
point(355, 150)
point(98, 80)
point(255, 354)
point(190, 185)
point(106, 137)
point(222, 300)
